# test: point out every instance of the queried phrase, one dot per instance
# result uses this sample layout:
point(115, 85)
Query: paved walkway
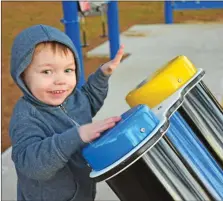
point(150, 47)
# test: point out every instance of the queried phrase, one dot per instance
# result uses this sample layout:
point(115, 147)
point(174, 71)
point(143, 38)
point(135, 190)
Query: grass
point(19, 15)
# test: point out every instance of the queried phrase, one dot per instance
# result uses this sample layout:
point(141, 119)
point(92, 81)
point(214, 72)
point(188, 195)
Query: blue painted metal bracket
point(170, 6)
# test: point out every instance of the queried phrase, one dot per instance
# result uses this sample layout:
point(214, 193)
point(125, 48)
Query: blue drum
point(115, 157)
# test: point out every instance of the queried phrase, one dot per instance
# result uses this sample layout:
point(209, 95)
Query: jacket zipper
point(78, 125)
point(64, 110)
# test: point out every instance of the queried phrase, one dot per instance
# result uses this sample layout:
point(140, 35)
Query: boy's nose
point(59, 82)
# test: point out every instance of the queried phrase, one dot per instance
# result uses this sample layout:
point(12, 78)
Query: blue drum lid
point(136, 124)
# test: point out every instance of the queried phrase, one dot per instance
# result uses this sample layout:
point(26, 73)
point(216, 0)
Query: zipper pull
point(64, 110)
point(62, 107)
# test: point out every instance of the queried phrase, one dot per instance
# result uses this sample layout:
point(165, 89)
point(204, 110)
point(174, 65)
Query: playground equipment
point(72, 29)
point(103, 9)
point(83, 8)
point(200, 108)
point(87, 9)
point(72, 26)
point(167, 159)
point(170, 6)
point(99, 9)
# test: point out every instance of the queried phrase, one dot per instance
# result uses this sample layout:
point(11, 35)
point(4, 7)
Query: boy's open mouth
point(57, 91)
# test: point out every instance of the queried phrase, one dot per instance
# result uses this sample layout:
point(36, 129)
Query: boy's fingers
point(109, 123)
point(103, 125)
point(106, 126)
point(113, 119)
point(119, 55)
point(97, 135)
point(116, 119)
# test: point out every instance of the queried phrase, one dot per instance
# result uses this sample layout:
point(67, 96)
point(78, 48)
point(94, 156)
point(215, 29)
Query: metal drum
point(195, 134)
point(205, 115)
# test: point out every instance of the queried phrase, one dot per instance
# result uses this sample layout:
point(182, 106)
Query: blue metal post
point(113, 28)
point(168, 10)
point(72, 29)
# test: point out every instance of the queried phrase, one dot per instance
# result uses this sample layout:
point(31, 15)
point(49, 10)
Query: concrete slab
point(9, 177)
point(150, 46)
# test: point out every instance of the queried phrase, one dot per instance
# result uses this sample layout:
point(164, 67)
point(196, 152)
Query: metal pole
point(168, 12)
point(72, 29)
point(113, 28)
point(103, 23)
point(83, 28)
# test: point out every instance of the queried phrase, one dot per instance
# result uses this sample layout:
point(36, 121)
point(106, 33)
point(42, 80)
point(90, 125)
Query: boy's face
point(51, 76)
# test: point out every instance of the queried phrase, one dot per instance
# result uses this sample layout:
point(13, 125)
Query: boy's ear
point(22, 76)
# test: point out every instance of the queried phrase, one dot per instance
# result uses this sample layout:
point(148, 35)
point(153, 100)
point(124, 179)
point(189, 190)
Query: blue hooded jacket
point(46, 146)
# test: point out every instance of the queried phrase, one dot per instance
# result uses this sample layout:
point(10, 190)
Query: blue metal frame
point(113, 28)
point(168, 11)
point(186, 5)
point(72, 29)
point(170, 6)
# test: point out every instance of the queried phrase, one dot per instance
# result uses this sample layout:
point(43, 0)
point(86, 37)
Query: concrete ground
point(150, 47)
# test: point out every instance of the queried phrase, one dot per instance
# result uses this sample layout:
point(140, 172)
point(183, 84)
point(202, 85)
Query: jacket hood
point(23, 48)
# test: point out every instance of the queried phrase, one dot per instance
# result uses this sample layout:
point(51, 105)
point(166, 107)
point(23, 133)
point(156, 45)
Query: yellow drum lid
point(164, 82)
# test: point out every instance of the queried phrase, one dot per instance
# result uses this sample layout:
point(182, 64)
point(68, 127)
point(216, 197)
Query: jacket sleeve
point(96, 89)
point(37, 156)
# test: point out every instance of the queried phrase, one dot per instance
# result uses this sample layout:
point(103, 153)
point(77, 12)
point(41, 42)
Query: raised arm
point(96, 88)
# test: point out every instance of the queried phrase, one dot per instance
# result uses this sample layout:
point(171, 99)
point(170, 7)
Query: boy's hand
point(89, 132)
point(110, 66)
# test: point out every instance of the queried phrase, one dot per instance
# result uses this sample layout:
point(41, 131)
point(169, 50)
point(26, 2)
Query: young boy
point(52, 122)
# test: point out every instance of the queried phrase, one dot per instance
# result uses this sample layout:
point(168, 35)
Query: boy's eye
point(69, 70)
point(47, 72)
